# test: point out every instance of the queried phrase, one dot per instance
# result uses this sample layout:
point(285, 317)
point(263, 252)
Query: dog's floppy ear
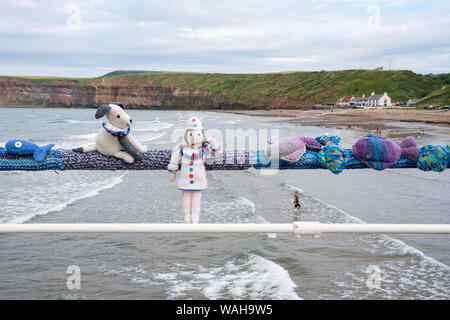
point(102, 110)
point(118, 104)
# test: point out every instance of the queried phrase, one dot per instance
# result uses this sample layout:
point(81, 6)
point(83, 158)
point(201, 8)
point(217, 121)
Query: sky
point(89, 38)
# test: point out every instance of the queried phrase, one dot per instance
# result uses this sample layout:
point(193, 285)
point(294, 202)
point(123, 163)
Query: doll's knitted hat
point(194, 123)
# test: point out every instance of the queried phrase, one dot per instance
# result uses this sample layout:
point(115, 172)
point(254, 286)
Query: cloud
point(89, 37)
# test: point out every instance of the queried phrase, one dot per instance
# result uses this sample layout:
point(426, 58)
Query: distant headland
point(205, 91)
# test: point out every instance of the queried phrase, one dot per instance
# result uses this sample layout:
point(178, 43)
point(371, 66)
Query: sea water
point(218, 266)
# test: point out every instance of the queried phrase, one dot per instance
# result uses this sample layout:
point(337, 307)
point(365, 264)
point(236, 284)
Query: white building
point(375, 100)
point(359, 101)
point(379, 100)
point(344, 101)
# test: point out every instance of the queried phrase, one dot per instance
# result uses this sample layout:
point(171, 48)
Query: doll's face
point(194, 137)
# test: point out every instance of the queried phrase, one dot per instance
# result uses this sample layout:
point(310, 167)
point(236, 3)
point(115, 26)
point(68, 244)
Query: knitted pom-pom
point(433, 158)
point(409, 148)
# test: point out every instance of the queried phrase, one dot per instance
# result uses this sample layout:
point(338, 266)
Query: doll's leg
point(187, 206)
point(196, 202)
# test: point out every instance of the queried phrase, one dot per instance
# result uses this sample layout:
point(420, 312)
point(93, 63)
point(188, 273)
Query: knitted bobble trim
point(116, 133)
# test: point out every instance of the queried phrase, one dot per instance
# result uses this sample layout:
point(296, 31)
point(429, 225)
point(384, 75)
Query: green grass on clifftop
point(437, 98)
point(301, 88)
point(292, 89)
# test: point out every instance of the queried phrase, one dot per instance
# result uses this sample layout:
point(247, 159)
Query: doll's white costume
point(191, 157)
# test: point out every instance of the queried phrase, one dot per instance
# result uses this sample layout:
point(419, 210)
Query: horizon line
point(197, 72)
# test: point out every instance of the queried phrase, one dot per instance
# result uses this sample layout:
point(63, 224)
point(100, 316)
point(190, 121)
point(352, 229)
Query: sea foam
point(41, 199)
point(413, 274)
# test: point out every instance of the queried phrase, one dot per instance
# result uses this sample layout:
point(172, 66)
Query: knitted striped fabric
point(159, 159)
point(325, 140)
point(9, 162)
point(153, 160)
point(433, 158)
point(332, 156)
point(378, 152)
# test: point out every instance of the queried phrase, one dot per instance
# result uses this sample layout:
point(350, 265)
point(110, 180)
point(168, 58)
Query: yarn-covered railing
point(368, 152)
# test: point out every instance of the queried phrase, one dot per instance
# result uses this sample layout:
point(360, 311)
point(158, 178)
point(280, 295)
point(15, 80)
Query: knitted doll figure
point(191, 157)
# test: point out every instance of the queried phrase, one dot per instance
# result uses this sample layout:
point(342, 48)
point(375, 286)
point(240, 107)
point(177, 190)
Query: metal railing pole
point(297, 228)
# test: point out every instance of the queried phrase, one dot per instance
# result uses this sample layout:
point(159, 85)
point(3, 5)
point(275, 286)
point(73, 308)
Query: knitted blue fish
point(23, 148)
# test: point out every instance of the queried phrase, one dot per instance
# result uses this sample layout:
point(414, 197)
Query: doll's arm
point(174, 164)
point(214, 146)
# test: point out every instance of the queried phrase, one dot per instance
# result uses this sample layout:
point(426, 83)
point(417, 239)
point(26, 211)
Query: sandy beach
point(367, 118)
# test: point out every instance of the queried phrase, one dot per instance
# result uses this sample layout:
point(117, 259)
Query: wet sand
point(366, 118)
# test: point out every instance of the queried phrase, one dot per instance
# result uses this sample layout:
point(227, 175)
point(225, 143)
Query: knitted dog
point(114, 139)
point(191, 156)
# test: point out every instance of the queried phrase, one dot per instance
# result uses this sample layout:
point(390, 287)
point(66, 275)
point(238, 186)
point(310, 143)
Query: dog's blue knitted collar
point(116, 133)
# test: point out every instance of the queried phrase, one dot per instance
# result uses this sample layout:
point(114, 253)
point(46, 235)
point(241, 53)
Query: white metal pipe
point(385, 228)
point(146, 228)
point(297, 228)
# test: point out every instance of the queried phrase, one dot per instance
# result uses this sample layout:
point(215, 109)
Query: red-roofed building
point(344, 101)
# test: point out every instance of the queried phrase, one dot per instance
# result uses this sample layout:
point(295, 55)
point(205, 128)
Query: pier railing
point(304, 228)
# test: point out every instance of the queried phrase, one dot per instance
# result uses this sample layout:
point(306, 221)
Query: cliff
point(20, 92)
point(166, 90)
